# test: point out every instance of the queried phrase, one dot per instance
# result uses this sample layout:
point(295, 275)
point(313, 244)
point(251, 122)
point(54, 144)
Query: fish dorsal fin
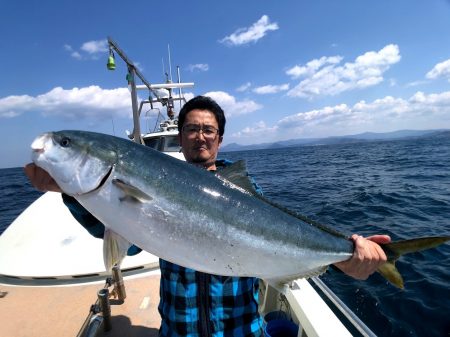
point(304, 218)
point(307, 220)
point(236, 174)
point(131, 192)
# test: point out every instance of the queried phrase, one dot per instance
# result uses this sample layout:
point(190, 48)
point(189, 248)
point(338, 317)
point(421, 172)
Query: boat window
point(153, 143)
point(171, 144)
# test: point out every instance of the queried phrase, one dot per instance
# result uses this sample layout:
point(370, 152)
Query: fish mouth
point(38, 146)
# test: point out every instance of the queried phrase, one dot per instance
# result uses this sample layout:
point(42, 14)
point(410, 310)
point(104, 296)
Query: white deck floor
point(46, 241)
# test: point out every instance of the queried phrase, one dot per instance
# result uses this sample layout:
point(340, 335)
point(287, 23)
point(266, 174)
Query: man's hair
point(202, 103)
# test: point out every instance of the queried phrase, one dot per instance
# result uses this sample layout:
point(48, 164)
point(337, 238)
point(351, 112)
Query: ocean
point(400, 188)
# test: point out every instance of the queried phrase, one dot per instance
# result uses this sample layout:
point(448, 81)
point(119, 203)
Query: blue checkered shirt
point(196, 304)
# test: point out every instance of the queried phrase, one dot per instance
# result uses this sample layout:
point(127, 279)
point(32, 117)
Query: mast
point(179, 82)
point(131, 77)
point(133, 71)
point(170, 64)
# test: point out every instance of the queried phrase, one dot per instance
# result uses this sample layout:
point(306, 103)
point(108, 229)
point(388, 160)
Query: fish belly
point(177, 234)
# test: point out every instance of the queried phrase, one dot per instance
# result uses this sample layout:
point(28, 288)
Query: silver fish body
point(182, 213)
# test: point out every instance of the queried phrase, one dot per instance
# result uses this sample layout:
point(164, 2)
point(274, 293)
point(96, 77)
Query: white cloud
point(392, 82)
point(76, 55)
point(251, 34)
point(324, 77)
point(420, 111)
point(95, 47)
point(381, 113)
point(258, 129)
point(13, 106)
point(271, 89)
point(313, 117)
point(198, 66)
point(88, 50)
point(231, 106)
point(73, 53)
point(90, 102)
point(187, 95)
point(312, 66)
point(244, 87)
point(416, 83)
point(440, 70)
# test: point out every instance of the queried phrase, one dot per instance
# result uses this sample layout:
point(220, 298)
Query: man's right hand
point(40, 179)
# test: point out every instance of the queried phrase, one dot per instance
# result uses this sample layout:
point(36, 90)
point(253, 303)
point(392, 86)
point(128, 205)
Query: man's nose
point(200, 135)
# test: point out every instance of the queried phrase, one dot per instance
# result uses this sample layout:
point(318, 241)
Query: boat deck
point(61, 311)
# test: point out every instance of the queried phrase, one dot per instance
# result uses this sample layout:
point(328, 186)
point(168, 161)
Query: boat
point(53, 280)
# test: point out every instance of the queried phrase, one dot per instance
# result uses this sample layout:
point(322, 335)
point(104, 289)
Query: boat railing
point(343, 308)
point(304, 303)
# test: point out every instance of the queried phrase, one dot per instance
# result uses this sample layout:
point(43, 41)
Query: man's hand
point(40, 179)
point(367, 256)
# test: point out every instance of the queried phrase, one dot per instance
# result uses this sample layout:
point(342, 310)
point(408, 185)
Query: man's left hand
point(367, 256)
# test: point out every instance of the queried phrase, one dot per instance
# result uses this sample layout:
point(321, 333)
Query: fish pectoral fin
point(281, 284)
point(115, 249)
point(131, 192)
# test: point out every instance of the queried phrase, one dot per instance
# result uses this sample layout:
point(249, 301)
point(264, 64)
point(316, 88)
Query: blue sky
point(280, 69)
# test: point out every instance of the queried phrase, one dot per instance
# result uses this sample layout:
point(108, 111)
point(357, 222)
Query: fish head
point(78, 161)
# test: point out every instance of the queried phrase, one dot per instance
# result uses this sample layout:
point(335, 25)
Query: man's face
point(201, 147)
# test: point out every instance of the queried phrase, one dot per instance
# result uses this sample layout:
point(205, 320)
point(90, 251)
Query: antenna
point(170, 63)
point(179, 88)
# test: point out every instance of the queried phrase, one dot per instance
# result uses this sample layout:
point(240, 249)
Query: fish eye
point(65, 142)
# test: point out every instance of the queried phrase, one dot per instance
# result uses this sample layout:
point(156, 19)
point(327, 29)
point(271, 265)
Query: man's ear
point(220, 139)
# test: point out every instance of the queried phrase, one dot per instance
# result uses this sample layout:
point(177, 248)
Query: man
point(194, 303)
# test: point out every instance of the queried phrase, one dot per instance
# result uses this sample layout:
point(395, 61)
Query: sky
point(280, 69)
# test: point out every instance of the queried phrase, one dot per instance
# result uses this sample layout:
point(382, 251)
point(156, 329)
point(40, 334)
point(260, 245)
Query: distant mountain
point(361, 137)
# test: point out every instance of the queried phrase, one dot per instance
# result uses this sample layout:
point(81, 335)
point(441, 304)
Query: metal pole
point(103, 298)
point(179, 81)
point(170, 63)
point(93, 318)
point(95, 324)
point(118, 283)
point(124, 57)
point(134, 104)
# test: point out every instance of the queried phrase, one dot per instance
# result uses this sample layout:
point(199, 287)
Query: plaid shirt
point(195, 304)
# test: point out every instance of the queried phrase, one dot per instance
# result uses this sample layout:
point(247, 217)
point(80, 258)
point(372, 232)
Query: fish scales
point(224, 219)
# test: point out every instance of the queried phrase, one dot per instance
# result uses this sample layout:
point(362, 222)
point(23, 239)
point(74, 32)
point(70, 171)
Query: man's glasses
point(209, 132)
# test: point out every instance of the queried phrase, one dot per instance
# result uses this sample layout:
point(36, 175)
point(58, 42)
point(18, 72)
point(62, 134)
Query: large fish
point(212, 223)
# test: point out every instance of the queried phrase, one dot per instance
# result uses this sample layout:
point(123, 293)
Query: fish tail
point(396, 249)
